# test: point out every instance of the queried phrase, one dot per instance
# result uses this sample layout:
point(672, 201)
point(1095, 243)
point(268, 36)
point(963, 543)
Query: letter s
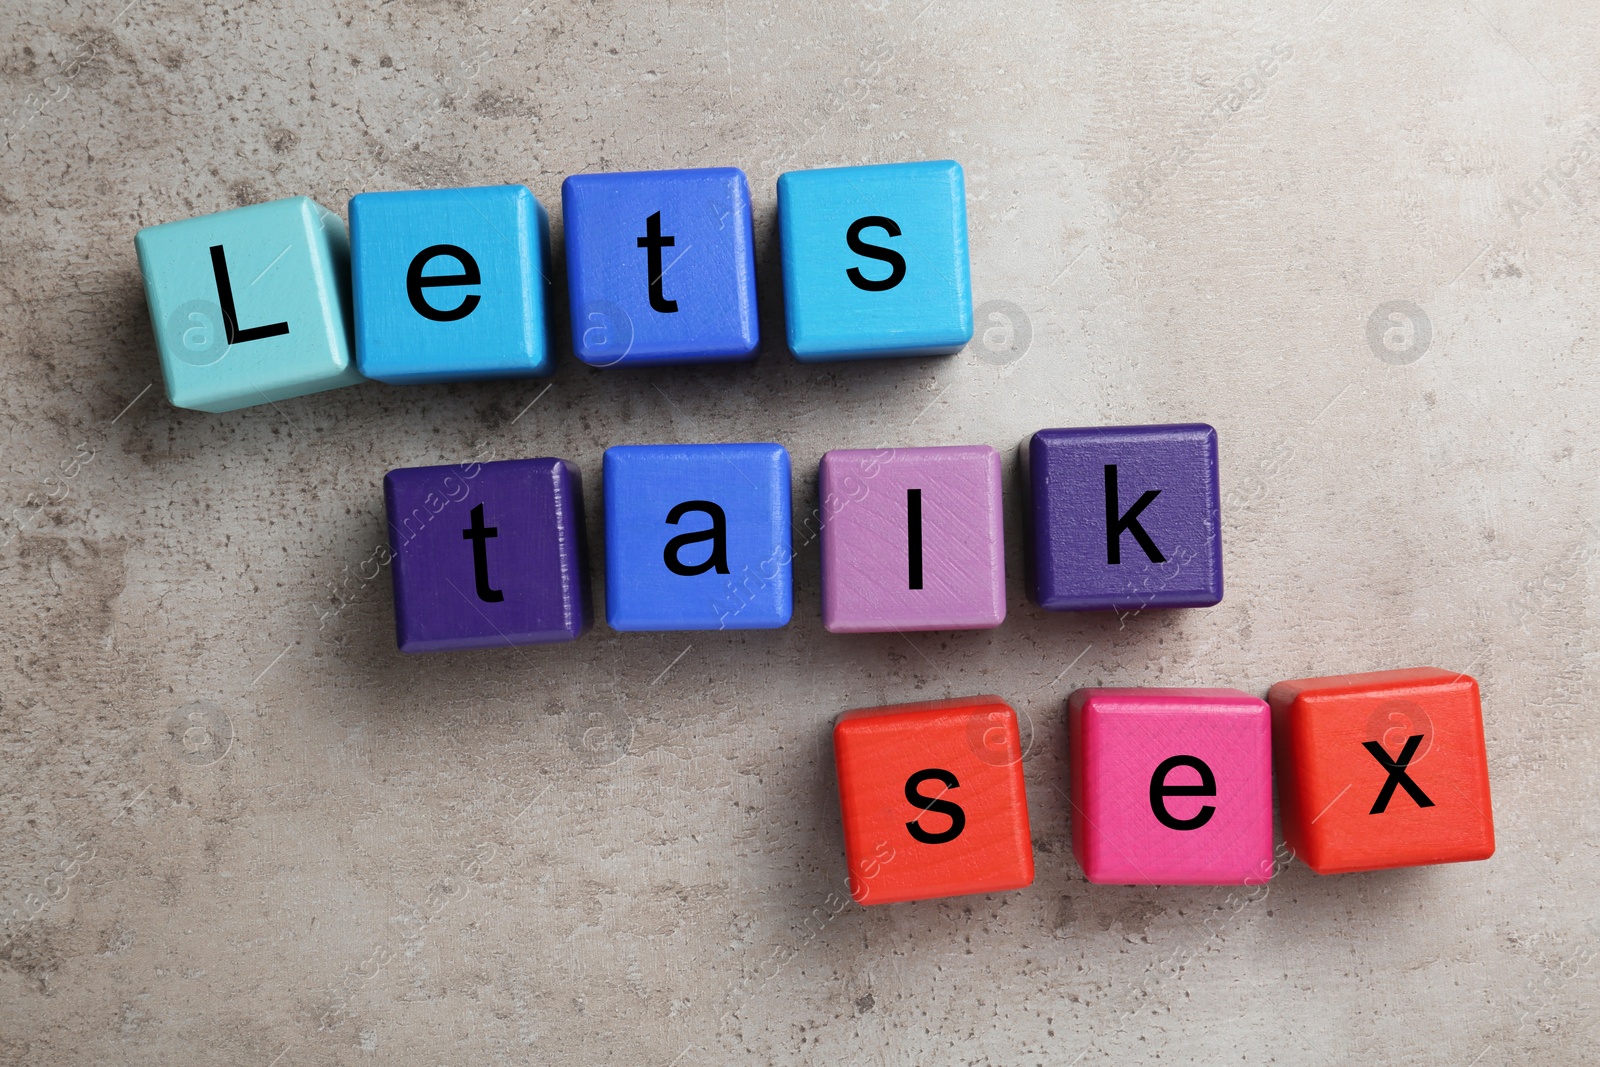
point(897, 262)
point(957, 817)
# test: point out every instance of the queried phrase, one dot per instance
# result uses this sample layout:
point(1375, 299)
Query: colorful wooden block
point(251, 305)
point(875, 261)
point(1124, 517)
point(697, 537)
point(932, 800)
point(1171, 786)
point(1385, 769)
point(661, 266)
point(912, 539)
point(487, 554)
point(450, 284)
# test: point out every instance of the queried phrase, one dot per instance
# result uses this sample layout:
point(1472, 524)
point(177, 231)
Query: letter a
point(717, 535)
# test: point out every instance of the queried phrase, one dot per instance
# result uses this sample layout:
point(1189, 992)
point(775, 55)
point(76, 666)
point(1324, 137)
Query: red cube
point(1380, 770)
point(932, 799)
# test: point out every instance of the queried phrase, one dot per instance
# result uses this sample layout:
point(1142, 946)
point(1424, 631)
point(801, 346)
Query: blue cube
point(697, 537)
point(450, 284)
point(250, 306)
point(661, 267)
point(875, 261)
point(1124, 517)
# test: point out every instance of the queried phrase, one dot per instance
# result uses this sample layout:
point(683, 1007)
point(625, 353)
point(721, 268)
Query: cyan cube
point(487, 555)
point(697, 537)
point(250, 305)
point(450, 284)
point(1124, 517)
point(875, 261)
point(661, 267)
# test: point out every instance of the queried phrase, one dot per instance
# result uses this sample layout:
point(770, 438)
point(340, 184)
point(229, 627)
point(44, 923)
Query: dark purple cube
point(487, 554)
point(1124, 517)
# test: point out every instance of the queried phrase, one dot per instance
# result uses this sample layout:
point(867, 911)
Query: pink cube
point(1171, 786)
point(912, 539)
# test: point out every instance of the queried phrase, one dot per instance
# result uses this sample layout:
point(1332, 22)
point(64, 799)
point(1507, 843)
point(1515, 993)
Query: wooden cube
point(487, 554)
point(698, 537)
point(1123, 518)
point(1171, 786)
point(932, 800)
point(661, 267)
point(450, 284)
point(912, 539)
point(250, 306)
point(1385, 769)
point(875, 260)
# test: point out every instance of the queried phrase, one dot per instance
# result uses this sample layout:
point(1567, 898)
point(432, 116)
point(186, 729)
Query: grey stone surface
point(239, 827)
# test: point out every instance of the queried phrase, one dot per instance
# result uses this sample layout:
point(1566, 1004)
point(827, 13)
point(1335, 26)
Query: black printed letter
point(415, 282)
point(653, 243)
point(1160, 790)
point(230, 317)
point(1397, 774)
point(897, 262)
point(914, 536)
point(717, 535)
point(479, 535)
point(957, 817)
point(1115, 524)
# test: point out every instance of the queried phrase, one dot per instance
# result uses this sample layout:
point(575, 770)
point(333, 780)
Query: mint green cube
point(250, 306)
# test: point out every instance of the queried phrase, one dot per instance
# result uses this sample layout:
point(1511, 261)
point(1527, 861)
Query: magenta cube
point(1171, 786)
point(912, 539)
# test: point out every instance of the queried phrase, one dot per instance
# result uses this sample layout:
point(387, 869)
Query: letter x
point(1397, 774)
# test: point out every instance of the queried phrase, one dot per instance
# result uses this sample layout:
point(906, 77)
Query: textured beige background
point(239, 828)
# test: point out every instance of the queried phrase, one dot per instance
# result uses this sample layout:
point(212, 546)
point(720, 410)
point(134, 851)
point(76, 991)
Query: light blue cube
point(875, 261)
point(251, 305)
point(698, 537)
point(450, 284)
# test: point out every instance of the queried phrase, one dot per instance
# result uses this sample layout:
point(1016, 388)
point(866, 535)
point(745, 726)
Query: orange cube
point(932, 800)
point(1380, 770)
